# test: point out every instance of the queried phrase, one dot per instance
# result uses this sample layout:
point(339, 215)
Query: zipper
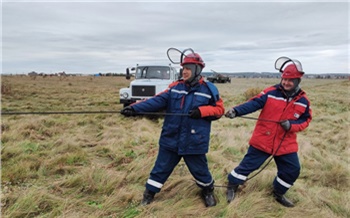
point(182, 102)
point(274, 138)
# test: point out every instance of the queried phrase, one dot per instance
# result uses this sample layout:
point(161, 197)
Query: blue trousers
point(167, 161)
point(288, 169)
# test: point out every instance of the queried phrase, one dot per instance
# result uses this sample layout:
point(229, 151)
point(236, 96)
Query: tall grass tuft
point(251, 92)
point(5, 87)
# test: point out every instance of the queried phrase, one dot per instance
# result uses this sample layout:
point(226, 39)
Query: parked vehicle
point(149, 81)
point(218, 78)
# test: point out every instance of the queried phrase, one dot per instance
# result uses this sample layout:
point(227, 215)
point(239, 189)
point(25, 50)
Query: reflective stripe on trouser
point(253, 159)
point(288, 170)
point(198, 167)
point(166, 162)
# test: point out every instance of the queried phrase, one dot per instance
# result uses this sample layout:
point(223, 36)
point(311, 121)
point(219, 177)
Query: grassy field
point(96, 165)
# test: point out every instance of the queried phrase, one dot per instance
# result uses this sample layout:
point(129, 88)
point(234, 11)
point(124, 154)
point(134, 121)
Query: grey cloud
point(95, 37)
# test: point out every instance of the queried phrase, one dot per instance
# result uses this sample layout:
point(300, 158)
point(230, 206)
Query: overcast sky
point(91, 37)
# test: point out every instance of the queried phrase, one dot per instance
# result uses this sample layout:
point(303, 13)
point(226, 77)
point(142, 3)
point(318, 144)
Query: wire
point(86, 112)
point(143, 113)
point(261, 169)
point(55, 112)
point(260, 119)
point(161, 114)
point(113, 112)
point(268, 162)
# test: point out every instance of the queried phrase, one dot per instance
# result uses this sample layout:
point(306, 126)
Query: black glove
point(195, 114)
point(231, 113)
point(128, 111)
point(285, 125)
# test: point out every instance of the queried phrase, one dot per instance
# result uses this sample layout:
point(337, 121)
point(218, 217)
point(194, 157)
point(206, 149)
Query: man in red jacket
point(289, 106)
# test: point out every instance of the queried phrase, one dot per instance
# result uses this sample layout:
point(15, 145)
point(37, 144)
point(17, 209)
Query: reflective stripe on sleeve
point(154, 183)
point(280, 181)
point(238, 176)
point(300, 104)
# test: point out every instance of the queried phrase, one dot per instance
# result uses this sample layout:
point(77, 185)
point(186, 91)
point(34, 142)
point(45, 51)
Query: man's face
point(186, 73)
point(288, 84)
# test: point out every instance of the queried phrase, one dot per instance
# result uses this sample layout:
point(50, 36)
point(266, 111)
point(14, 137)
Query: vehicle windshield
point(153, 72)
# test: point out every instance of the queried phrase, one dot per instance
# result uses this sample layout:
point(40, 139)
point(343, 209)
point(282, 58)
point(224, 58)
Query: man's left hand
point(285, 125)
point(195, 114)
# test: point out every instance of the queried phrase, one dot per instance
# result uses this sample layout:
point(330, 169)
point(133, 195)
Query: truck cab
point(149, 81)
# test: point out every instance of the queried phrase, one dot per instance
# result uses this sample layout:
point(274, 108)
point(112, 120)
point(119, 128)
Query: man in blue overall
point(186, 136)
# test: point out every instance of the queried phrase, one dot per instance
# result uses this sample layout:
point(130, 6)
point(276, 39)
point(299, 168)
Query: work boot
point(282, 199)
point(147, 197)
point(208, 197)
point(231, 192)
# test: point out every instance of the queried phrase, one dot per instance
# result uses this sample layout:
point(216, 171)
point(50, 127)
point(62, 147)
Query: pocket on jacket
point(176, 100)
point(201, 99)
point(169, 135)
point(263, 135)
point(297, 112)
point(199, 138)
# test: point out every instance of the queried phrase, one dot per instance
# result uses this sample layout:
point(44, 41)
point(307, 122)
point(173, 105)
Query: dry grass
point(95, 165)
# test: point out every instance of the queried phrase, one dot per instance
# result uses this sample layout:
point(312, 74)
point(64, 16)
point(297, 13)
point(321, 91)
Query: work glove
point(231, 113)
point(285, 125)
point(195, 114)
point(128, 111)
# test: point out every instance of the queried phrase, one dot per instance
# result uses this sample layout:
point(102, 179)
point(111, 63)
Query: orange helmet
point(193, 58)
point(290, 68)
point(291, 72)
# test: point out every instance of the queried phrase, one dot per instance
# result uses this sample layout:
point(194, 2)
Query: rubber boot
point(231, 192)
point(208, 196)
point(147, 197)
point(282, 199)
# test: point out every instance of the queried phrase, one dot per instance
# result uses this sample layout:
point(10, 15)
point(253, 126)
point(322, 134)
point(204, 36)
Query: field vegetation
point(96, 165)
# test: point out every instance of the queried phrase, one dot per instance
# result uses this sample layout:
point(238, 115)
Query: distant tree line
point(110, 74)
point(64, 74)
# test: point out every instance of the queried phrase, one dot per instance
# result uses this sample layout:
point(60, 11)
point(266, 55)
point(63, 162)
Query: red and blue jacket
point(269, 136)
point(183, 134)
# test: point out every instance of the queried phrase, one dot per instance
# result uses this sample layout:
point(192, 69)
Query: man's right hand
point(231, 113)
point(128, 111)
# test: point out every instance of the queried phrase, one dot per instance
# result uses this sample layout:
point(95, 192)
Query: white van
point(149, 81)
